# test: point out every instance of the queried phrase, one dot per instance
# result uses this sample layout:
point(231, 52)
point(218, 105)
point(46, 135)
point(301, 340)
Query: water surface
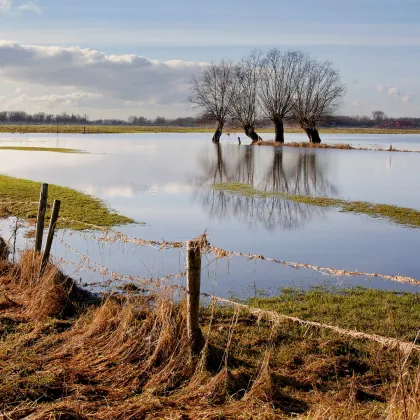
point(165, 181)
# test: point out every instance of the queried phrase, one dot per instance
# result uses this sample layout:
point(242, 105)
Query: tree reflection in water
point(292, 171)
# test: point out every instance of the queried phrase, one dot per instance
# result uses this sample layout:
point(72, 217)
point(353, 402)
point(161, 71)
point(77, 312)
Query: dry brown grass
point(66, 355)
point(340, 146)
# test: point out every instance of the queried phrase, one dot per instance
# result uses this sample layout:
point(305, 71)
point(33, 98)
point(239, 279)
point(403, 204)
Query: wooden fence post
point(43, 197)
point(193, 294)
point(50, 237)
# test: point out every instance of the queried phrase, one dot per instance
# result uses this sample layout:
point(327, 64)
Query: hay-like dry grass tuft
point(67, 354)
point(339, 146)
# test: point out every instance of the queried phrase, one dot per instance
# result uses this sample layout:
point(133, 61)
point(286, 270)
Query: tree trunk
point(279, 126)
point(218, 133)
point(313, 135)
point(250, 132)
point(308, 132)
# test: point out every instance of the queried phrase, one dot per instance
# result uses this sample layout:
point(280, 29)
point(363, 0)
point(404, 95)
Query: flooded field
point(164, 180)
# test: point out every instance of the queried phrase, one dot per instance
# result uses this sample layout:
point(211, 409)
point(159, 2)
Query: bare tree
point(277, 86)
point(318, 94)
point(245, 105)
point(378, 117)
point(213, 93)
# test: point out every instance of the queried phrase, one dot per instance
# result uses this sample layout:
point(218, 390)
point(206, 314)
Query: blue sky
point(375, 44)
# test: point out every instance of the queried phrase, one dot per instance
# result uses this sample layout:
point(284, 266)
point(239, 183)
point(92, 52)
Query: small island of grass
point(42, 149)
point(400, 215)
point(19, 197)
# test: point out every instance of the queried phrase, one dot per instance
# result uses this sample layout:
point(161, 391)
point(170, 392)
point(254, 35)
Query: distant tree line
point(22, 117)
point(377, 119)
point(280, 86)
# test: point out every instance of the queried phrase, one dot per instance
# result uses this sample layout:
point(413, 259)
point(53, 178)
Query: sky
point(115, 58)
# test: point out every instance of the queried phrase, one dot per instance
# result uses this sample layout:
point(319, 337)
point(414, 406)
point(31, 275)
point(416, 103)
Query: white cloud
point(30, 7)
point(393, 92)
point(5, 5)
point(129, 78)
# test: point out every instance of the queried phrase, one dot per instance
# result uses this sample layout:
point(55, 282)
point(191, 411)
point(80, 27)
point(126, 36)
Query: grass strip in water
point(400, 215)
point(15, 194)
point(42, 149)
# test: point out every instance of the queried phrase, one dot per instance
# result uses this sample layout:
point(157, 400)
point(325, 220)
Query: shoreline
point(92, 129)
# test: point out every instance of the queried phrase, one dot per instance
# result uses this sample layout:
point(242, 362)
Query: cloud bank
point(93, 74)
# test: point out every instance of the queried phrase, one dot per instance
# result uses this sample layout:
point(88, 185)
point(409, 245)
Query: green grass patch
point(386, 313)
point(93, 129)
point(400, 215)
point(42, 149)
point(19, 197)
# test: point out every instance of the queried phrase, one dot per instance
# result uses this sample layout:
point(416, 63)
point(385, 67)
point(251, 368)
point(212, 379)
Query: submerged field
point(66, 354)
point(19, 197)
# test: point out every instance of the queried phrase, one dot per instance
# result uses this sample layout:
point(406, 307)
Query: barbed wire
point(206, 246)
point(124, 238)
point(114, 276)
point(222, 253)
point(278, 318)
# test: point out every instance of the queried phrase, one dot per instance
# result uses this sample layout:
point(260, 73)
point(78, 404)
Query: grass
point(77, 129)
point(66, 354)
point(19, 197)
point(42, 149)
point(401, 215)
point(368, 310)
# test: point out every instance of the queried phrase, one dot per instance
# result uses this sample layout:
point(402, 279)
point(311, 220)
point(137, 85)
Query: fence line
point(223, 253)
point(105, 271)
point(203, 245)
point(278, 318)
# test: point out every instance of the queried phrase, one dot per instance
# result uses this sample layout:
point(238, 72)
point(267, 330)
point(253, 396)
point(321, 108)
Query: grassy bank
point(77, 129)
point(64, 354)
point(369, 310)
point(400, 215)
point(19, 197)
point(42, 149)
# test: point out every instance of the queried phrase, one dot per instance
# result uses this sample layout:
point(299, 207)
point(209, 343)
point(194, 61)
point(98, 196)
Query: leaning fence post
point(193, 294)
point(43, 197)
point(50, 237)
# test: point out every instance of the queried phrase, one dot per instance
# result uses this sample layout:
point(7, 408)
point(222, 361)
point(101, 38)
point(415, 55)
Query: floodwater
point(164, 180)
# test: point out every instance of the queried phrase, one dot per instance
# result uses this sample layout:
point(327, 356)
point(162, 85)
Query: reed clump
point(338, 146)
point(65, 353)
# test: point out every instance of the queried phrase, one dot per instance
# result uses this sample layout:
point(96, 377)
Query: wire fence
point(109, 236)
